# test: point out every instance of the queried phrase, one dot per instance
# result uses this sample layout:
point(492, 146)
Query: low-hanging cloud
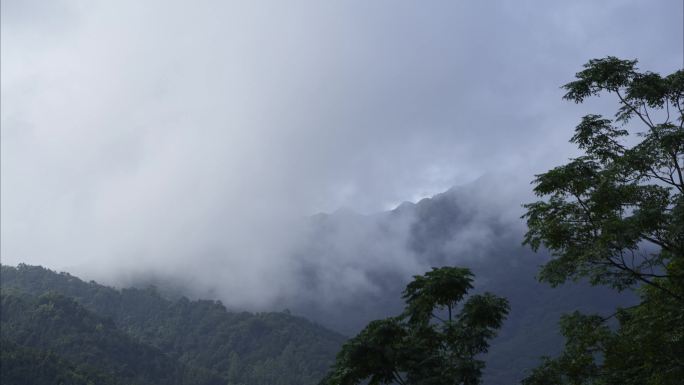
point(191, 139)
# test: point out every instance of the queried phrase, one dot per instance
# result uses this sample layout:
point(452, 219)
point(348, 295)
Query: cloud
point(191, 139)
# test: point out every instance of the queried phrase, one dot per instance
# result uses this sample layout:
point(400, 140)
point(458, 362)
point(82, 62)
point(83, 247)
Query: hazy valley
point(245, 348)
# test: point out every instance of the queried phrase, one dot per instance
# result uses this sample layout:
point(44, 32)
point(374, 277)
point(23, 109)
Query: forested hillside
point(57, 324)
point(19, 364)
point(139, 337)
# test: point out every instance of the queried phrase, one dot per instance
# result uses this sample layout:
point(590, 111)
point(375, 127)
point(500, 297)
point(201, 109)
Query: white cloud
point(183, 136)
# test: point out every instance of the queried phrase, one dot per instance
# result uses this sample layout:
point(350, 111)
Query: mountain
point(22, 365)
point(349, 269)
point(456, 228)
point(57, 324)
point(139, 337)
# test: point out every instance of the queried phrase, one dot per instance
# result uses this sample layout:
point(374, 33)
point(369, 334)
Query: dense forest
point(138, 336)
point(22, 365)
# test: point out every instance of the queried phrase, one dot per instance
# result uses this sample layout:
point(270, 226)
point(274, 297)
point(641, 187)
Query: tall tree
point(615, 215)
point(436, 340)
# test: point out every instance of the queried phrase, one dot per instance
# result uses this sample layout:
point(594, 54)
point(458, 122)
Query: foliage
point(239, 348)
point(616, 216)
point(419, 346)
point(25, 366)
point(57, 324)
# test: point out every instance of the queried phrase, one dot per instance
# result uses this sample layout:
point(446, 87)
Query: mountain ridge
point(377, 254)
point(239, 347)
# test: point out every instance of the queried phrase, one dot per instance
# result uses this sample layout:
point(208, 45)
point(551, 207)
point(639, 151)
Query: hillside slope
point(20, 365)
point(241, 348)
point(57, 324)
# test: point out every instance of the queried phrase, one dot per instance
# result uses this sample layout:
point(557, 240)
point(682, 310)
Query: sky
point(167, 134)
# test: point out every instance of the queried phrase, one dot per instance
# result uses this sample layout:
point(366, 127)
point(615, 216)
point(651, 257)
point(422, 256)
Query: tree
point(615, 215)
point(434, 341)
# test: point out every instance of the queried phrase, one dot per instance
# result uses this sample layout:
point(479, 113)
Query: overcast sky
point(137, 130)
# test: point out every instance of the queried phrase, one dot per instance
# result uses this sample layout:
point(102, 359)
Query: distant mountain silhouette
point(452, 228)
point(350, 269)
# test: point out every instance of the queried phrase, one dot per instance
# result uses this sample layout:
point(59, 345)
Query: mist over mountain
point(365, 261)
point(349, 268)
point(345, 269)
point(458, 228)
point(235, 170)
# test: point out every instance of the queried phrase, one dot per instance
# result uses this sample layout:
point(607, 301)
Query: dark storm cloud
point(185, 137)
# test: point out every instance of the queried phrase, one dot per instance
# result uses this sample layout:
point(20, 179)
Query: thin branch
point(606, 318)
point(646, 113)
point(681, 113)
point(641, 278)
point(656, 241)
point(667, 109)
point(675, 162)
point(397, 377)
point(631, 107)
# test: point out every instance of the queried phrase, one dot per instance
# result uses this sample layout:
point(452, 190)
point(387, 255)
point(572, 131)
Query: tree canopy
point(436, 340)
point(137, 336)
point(615, 215)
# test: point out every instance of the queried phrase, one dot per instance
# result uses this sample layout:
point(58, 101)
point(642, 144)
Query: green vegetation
point(420, 346)
point(616, 216)
point(21, 366)
point(58, 325)
point(140, 337)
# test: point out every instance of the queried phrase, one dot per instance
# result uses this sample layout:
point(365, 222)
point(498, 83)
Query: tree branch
point(641, 278)
point(397, 377)
point(631, 107)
